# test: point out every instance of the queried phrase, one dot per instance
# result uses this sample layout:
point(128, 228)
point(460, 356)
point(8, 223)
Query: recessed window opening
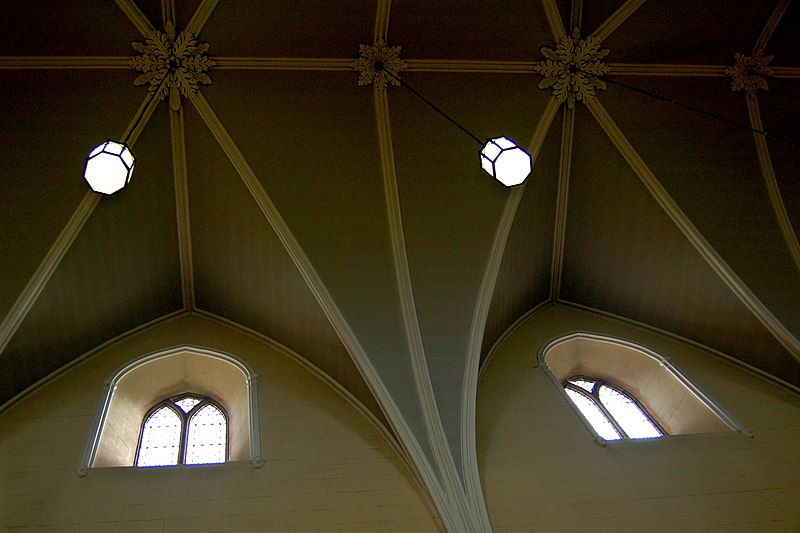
point(185, 429)
point(182, 405)
point(626, 391)
point(613, 413)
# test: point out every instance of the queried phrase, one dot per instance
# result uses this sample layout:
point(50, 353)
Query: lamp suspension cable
point(669, 100)
point(140, 113)
point(109, 166)
point(430, 104)
point(501, 157)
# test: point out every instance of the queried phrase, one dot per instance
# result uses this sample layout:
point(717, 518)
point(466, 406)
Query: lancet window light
point(613, 413)
point(186, 429)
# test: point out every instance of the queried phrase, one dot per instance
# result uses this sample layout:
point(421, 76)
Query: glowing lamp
point(505, 161)
point(109, 167)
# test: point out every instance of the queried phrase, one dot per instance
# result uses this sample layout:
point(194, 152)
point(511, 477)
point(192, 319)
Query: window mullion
point(184, 434)
point(596, 397)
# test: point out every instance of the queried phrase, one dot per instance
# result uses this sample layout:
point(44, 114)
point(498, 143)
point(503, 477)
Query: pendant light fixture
point(501, 157)
point(109, 166)
point(505, 161)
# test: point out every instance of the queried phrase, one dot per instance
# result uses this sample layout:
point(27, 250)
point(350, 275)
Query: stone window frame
point(682, 408)
point(253, 451)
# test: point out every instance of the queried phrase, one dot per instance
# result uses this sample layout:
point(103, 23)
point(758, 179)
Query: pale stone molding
point(136, 16)
point(379, 64)
point(172, 65)
point(168, 11)
point(58, 250)
point(283, 63)
point(738, 287)
point(772, 23)
point(64, 62)
point(573, 69)
point(469, 456)
point(432, 418)
point(554, 19)
point(616, 19)
point(393, 414)
point(201, 15)
point(576, 13)
point(771, 181)
point(181, 181)
point(382, 13)
point(562, 200)
point(110, 386)
point(337, 387)
point(666, 69)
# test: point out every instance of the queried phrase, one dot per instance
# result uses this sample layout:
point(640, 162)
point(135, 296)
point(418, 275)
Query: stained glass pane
point(594, 415)
point(585, 384)
point(161, 439)
point(627, 414)
point(207, 438)
point(187, 403)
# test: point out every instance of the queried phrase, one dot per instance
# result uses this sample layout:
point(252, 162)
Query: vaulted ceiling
point(354, 226)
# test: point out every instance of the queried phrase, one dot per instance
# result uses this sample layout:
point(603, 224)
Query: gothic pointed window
point(612, 412)
point(186, 429)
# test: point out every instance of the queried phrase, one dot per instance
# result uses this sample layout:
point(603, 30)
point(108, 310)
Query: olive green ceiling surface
point(352, 225)
point(120, 273)
point(524, 279)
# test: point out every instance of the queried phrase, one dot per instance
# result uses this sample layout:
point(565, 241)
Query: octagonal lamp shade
point(505, 161)
point(109, 167)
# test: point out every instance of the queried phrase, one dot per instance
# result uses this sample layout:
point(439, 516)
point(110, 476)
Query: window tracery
point(614, 413)
point(186, 429)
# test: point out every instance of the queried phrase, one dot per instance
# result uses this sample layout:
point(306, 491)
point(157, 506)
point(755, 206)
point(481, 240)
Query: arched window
point(134, 413)
point(186, 429)
point(613, 413)
point(626, 391)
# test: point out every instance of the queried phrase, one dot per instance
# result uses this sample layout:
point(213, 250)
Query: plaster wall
point(541, 470)
point(326, 466)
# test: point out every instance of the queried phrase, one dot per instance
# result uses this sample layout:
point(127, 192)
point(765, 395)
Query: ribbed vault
point(354, 228)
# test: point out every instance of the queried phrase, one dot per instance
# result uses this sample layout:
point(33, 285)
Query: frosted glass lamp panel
point(161, 439)
point(488, 155)
point(512, 167)
point(207, 438)
point(127, 158)
point(505, 161)
point(109, 167)
point(627, 414)
point(594, 415)
point(187, 403)
point(113, 148)
point(585, 384)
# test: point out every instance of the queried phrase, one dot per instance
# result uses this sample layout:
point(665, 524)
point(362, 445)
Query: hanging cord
point(141, 113)
point(669, 100)
point(380, 68)
point(433, 106)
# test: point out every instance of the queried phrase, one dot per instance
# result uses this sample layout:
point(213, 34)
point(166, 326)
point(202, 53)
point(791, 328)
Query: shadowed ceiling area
point(353, 226)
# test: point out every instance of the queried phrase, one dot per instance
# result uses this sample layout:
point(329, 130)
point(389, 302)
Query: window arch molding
point(153, 377)
point(677, 404)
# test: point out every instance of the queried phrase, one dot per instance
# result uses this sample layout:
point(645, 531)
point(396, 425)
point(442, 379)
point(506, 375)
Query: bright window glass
point(161, 439)
point(585, 384)
point(187, 403)
point(627, 414)
point(206, 439)
point(186, 429)
point(594, 415)
point(612, 413)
